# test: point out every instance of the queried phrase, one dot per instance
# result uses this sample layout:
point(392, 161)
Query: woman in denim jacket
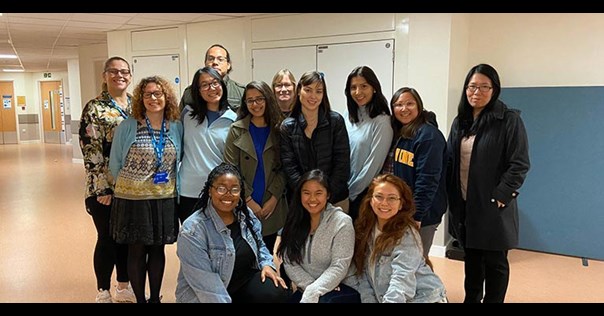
point(388, 254)
point(222, 255)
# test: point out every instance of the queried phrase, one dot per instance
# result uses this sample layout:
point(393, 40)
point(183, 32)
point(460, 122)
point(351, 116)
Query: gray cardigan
point(327, 256)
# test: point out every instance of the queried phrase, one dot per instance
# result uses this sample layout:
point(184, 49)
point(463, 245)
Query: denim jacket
point(401, 276)
point(207, 256)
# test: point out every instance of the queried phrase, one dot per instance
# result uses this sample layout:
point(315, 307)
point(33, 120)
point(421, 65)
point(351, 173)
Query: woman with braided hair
point(222, 255)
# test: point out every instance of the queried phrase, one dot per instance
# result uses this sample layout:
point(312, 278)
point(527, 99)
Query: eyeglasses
point(114, 72)
point(156, 94)
point(481, 88)
point(206, 86)
point(281, 86)
point(222, 190)
point(219, 59)
point(391, 200)
point(258, 100)
point(409, 104)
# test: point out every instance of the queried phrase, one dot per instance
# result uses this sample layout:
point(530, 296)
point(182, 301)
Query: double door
point(336, 61)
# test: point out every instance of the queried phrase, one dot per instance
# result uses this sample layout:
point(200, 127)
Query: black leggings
point(107, 253)
point(142, 260)
point(186, 207)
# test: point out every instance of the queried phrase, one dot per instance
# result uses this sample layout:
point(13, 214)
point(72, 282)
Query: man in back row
point(219, 58)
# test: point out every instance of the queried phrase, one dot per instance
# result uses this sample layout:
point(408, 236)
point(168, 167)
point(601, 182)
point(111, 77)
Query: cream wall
point(90, 77)
point(552, 49)
point(234, 34)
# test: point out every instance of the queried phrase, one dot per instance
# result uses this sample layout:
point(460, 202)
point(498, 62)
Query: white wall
point(234, 34)
point(554, 49)
point(75, 103)
point(90, 78)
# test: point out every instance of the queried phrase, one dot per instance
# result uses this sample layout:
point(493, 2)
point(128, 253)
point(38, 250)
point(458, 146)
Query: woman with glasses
point(366, 118)
point(314, 136)
point(389, 264)
point(488, 164)
point(144, 161)
point(317, 244)
point(222, 255)
point(206, 124)
point(100, 117)
point(253, 145)
point(284, 85)
point(418, 156)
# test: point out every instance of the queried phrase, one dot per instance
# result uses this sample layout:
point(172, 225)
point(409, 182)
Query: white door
point(167, 66)
point(266, 62)
point(338, 60)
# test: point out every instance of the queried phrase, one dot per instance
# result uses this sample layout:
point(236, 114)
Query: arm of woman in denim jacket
point(196, 267)
point(406, 259)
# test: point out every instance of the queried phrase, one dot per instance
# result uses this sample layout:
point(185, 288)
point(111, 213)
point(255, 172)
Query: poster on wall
point(7, 101)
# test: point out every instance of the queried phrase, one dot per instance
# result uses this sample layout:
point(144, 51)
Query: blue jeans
point(346, 294)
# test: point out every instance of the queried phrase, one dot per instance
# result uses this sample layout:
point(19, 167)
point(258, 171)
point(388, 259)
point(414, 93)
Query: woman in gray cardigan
point(317, 244)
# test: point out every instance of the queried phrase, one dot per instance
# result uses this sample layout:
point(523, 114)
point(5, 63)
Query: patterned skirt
point(150, 222)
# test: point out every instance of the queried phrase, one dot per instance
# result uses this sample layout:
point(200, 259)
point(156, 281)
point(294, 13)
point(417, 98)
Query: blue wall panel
point(562, 200)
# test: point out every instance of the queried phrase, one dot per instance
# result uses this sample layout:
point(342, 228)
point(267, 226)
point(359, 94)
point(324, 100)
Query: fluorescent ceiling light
point(13, 70)
point(8, 56)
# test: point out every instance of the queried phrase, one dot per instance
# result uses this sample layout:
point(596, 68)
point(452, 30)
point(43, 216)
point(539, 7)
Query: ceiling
point(45, 41)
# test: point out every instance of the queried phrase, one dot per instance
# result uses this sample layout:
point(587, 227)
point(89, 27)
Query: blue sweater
point(421, 162)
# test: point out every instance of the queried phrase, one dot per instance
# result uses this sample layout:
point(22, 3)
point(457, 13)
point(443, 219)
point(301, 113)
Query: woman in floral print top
point(100, 117)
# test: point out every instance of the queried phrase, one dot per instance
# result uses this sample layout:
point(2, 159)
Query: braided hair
point(204, 196)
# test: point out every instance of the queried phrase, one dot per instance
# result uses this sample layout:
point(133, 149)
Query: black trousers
point(487, 267)
point(107, 253)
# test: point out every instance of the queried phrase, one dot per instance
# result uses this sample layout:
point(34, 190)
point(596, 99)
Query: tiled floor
point(47, 241)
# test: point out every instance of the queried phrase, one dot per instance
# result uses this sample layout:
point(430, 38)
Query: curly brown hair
point(171, 111)
point(392, 231)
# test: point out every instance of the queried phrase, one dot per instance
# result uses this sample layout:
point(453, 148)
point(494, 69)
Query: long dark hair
point(378, 104)
point(297, 224)
point(272, 114)
point(410, 130)
point(466, 123)
point(309, 78)
point(200, 106)
point(241, 208)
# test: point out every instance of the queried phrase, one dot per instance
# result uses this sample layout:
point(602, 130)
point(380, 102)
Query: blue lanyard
point(158, 146)
point(117, 107)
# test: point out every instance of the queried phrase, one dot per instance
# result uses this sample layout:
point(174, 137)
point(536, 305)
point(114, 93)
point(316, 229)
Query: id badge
point(160, 178)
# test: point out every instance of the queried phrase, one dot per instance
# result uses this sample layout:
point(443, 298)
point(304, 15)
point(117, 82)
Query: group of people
point(262, 176)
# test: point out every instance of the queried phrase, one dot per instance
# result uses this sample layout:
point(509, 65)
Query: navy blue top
point(421, 162)
point(259, 137)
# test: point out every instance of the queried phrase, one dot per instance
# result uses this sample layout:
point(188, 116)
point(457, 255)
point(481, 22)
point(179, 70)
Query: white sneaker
point(103, 296)
point(124, 296)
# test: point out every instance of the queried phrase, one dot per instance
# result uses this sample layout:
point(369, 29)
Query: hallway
point(47, 240)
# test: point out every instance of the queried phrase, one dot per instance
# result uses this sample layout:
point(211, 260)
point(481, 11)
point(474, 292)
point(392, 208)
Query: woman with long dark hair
point(317, 244)
point(488, 164)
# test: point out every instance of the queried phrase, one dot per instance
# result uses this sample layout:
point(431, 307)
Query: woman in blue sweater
point(419, 158)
